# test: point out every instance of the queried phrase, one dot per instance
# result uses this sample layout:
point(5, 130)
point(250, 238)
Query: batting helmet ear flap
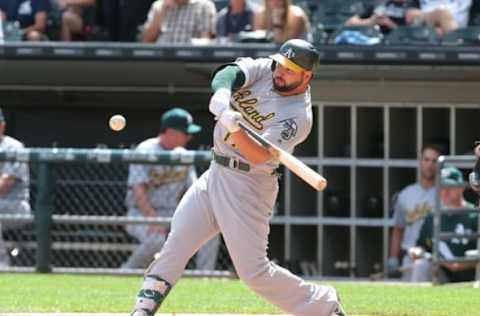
point(273, 66)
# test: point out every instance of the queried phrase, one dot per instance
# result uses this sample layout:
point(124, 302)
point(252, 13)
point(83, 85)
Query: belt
point(230, 162)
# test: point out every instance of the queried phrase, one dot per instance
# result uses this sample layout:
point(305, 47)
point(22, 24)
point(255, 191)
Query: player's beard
point(285, 87)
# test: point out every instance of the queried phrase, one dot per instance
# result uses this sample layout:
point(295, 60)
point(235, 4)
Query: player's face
point(286, 80)
point(428, 164)
point(452, 197)
point(175, 138)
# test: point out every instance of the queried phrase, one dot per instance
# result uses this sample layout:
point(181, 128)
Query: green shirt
point(465, 223)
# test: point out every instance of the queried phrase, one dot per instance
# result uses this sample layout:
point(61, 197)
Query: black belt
point(231, 163)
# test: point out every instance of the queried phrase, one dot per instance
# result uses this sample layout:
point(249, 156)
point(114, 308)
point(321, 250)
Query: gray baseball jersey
point(165, 183)
point(239, 203)
point(17, 200)
point(284, 121)
point(414, 203)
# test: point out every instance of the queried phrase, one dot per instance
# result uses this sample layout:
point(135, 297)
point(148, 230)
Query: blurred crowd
point(362, 22)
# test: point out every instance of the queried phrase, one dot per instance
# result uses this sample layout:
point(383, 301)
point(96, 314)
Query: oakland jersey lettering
point(247, 106)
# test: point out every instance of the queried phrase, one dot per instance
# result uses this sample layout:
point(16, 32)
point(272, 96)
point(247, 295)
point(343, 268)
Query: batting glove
point(392, 265)
point(229, 119)
point(220, 101)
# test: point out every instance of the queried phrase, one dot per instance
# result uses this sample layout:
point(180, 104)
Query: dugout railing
point(78, 214)
point(463, 162)
point(78, 217)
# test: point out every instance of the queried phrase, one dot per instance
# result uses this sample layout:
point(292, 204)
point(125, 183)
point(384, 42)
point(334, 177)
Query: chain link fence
point(80, 220)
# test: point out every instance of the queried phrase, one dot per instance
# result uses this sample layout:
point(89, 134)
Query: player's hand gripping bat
point(294, 164)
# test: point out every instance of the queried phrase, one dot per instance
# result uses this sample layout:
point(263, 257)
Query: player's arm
point(3, 16)
point(6, 183)
point(141, 200)
point(395, 243)
point(156, 16)
point(40, 23)
point(226, 80)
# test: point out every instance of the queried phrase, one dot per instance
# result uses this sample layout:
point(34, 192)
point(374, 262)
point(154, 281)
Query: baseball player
point(413, 204)
point(14, 182)
point(236, 195)
point(155, 190)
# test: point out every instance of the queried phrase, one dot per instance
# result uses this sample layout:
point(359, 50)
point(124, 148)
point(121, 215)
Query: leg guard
point(151, 295)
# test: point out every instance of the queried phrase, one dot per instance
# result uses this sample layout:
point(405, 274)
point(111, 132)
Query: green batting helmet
point(297, 55)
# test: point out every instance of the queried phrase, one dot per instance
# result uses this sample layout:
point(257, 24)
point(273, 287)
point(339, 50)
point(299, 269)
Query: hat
point(451, 175)
point(180, 120)
point(2, 118)
point(297, 55)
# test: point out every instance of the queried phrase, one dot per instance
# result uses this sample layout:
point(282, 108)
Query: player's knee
point(255, 276)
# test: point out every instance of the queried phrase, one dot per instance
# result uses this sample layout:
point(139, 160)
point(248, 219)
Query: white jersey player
point(236, 195)
point(14, 183)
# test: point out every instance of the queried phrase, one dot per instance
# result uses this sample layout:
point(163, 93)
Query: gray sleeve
point(254, 69)
point(399, 213)
point(19, 170)
point(137, 173)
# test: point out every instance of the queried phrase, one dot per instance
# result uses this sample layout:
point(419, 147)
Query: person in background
point(413, 204)
point(14, 184)
point(235, 18)
point(283, 20)
point(180, 21)
point(155, 190)
point(76, 15)
point(444, 15)
point(461, 223)
point(387, 15)
point(31, 16)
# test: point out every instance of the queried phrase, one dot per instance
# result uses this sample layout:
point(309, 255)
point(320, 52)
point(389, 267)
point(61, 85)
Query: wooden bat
point(306, 173)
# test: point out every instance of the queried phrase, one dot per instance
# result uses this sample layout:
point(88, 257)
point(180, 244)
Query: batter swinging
point(236, 195)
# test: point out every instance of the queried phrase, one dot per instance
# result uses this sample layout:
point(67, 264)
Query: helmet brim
point(285, 62)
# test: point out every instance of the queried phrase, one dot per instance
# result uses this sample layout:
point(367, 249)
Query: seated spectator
point(180, 21)
point(445, 15)
point(235, 18)
point(14, 182)
point(155, 190)
point(386, 15)
point(284, 20)
point(76, 15)
point(463, 223)
point(31, 15)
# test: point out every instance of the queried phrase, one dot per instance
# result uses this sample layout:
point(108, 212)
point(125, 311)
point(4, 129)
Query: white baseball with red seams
point(117, 122)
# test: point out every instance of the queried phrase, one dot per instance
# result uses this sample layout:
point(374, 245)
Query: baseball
point(117, 122)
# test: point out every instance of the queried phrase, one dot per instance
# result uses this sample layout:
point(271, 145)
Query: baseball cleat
point(140, 312)
point(339, 311)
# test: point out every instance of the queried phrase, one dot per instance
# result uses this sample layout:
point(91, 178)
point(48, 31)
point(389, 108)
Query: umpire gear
point(297, 55)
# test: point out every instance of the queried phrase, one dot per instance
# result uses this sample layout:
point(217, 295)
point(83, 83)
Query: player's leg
point(421, 270)
point(407, 273)
point(143, 254)
point(192, 225)
point(243, 215)
point(206, 257)
point(4, 259)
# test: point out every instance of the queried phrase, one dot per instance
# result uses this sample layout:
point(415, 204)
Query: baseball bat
point(295, 165)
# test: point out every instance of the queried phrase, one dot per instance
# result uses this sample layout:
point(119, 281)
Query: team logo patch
point(289, 53)
point(289, 129)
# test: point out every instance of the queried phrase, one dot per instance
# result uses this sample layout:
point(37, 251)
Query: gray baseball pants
point(239, 205)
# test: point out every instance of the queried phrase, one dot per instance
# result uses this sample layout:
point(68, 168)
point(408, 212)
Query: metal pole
point(43, 216)
point(436, 223)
